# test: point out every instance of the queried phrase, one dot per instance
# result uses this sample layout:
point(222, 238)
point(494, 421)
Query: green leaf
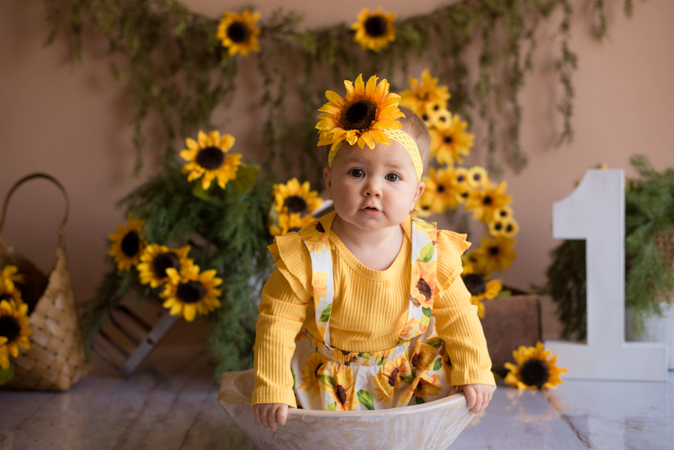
point(419, 400)
point(426, 253)
point(294, 378)
point(325, 315)
point(245, 178)
point(437, 365)
point(408, 379)
point(364, 355)
point(199, 192)
point(6, 375)
point(366, 399)
point(328, 381)
point(426, 311)
point(331, 407)
point(381, 361)
point(435, 343)
point(505, 293)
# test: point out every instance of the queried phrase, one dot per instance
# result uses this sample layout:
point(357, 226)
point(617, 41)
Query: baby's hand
point(269, 414)
point(478, 396)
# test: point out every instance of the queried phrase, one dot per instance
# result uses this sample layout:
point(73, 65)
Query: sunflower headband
point(367, 115)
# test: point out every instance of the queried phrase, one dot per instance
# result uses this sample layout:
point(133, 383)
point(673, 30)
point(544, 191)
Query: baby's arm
point(269, 414)
point(478, 396)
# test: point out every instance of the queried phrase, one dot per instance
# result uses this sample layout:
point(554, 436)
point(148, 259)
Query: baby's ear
point(421, 186)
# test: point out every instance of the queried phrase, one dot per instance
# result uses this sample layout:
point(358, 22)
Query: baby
point(340, 311)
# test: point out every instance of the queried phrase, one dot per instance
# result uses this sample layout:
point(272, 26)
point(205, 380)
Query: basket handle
point(33, 176)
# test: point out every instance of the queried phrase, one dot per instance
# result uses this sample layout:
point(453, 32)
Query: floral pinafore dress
point(417, 370)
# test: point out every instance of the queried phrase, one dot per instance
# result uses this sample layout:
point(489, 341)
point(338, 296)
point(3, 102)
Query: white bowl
point(432, 425)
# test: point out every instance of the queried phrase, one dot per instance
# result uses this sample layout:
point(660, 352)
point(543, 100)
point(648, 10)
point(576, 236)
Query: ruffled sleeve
point(457, 322)
point(282, 311)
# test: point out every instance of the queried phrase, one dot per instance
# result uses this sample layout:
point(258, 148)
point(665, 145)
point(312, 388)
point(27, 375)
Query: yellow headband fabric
point(403, 139)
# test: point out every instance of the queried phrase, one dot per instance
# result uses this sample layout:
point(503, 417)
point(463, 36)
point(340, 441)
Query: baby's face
point(373, 188)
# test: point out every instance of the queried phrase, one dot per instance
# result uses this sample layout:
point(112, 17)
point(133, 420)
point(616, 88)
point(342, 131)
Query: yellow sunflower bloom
point(441, 191)
point(319, 283)
point(480, 289)
point(533, 369)
point(374, 30)
point(290, 222)
point(295, 198)
point(126, 245)
point(361, 117)
point(339, 381)
point(155, 259)
point(388, 380)
point(422, 356)
point(477, 177)
point(495, 254)
point(237, 32)
point(406, 333)
point(8, 276)
point(424, 285)
point(503, 227)
point(312, 372)
point(207, 159)
point(192, 293)
point(504, 213)
point(422, 92)
point(423, 206)
point(13, 295)
point(14, 330)
point(484, 203)
point(449, 140)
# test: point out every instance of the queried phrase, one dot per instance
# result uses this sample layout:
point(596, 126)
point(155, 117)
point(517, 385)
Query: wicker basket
point(56, 358)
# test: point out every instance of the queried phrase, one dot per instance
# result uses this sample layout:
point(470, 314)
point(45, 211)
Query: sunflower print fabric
point(415, 371)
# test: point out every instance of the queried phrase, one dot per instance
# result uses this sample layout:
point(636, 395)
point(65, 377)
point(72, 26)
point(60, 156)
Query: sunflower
point(374, 30)
point(408, 329)
point(310, 380)
point(207, 158)
point(495, 254)
point(449, 140)
point(14, 330)
point(362, 117)
point(238, 32)
point(293, 198)
point(471, 262)
point(126, 244)
point(441, 118)
point(486, 202)
point(422, 92)
point(533, 369)
point(319, 282)
point(289, 222)
point(192, 293)
point(477, 177)
point(13, 295)
point(423, 288)
point(390, 376)
point(480, 289)
point(442, 190)
point(504, 227)
point(423, 205)
point(339, 382)
point(8, 276)
point(422, 357)
point(155, 259)
point(315, 237)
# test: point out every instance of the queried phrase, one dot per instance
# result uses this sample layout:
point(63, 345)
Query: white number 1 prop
point(595, 211)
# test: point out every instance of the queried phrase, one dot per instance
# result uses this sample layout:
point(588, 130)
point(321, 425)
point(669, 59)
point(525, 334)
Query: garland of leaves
point(649, 214)
point(178, 71)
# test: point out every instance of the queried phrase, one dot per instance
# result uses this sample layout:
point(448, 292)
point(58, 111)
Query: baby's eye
point(356, 173)
point(393, 177)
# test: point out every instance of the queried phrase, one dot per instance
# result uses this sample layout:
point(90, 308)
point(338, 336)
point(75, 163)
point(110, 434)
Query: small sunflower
point(441, 118)
point(533, 369)
point(441, 190)
point(293, 198)
point(495, 254)
point(423, 206)
point(339, 381)
point(477, 177)
point(484, 203)
point(374, 30)
point(423, 291)
point(155, 259)
point(13, 295)
point(289, 222)
point(480, 289)
point(8, 276)
point(361, 117)
point(450, 142)
point(126, 244)
point(422, 92)
point(206, 158)
point(310, 378)
point(191, 294)
point(504, 227)
point(238, 32)
point(389, 378)
point(14, 330)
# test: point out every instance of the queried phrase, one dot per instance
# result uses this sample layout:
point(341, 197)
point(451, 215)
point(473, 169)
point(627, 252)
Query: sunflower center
point(341, 394)
point(191, 292)
point(131, 244)
point(448, 139)
point(487, 200)
point(494, 250)
point(424, 288)
point(464, 194)
point(295, 229)
point(461, 178)
point(441, 188)
point(238, 32)
point(422, 95)
point(296, 204)
point(424, 117)
point(534, 373)
point(6, 296)
point(211, 158)
point(320, 228)
point(318, 367)
point(475, 283)
point(509, 228)
point(503, 213)
point(415, 360)
point(477, 177)
point(375, 26)
point(9, 328)
point(163, 262)
point(498, 226)
point(393, 376)
point(359, 115)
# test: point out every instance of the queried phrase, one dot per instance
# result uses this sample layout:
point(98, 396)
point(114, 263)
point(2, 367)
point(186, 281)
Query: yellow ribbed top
point(369, 310)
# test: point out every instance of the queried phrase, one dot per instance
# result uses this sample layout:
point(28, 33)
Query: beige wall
point(73, 121)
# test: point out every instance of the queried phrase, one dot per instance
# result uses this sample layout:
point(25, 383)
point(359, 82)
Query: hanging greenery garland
point(179, 65)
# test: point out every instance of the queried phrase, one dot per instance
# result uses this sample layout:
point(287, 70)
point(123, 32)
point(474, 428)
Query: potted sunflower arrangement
point(195, 242)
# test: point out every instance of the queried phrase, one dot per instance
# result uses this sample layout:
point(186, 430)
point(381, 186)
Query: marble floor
point(170, 403)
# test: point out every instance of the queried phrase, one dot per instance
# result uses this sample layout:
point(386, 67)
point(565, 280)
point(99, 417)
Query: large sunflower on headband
point(361, 117)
